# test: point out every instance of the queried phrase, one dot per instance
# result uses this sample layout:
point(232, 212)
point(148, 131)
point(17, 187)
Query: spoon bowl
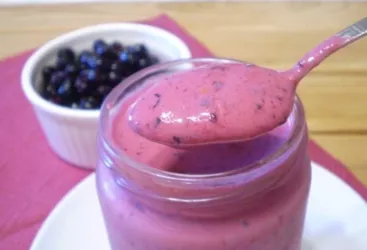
point(207, 111)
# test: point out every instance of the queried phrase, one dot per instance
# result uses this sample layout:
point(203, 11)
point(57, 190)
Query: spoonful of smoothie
point(227, 101)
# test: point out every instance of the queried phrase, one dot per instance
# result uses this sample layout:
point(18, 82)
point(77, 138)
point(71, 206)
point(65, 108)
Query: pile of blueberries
point(82, 81)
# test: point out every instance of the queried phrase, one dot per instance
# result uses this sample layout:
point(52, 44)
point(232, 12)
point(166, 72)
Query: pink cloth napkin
point(33, 179)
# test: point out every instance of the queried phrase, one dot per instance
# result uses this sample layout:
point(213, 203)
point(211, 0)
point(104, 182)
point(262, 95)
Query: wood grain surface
point(269, 34)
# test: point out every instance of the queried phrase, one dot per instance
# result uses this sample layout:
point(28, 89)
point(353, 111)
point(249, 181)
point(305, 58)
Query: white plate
point(336, 218)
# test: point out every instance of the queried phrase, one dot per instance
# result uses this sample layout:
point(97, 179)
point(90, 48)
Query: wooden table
point(270, 34)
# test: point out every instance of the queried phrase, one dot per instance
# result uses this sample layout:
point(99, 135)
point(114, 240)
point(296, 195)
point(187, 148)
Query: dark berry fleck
point(139, 206)
point(176, 139)
point(245, 223)
point(205, 102)
point(157, 122)
point(213, 118)
point(218, 85)
point(158, 96)
point(259, 106)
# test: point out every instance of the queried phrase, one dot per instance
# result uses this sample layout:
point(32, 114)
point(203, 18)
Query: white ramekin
point(72, 133)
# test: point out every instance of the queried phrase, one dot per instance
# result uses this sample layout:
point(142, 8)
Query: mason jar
point(241, 196)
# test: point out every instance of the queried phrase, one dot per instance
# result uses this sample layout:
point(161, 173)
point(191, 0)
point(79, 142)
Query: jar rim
point(255, 168)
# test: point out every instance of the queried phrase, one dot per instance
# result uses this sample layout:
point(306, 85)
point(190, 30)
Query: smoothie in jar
point(247, 195)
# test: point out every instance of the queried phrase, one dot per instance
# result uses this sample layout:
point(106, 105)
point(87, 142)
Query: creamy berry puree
point(217, 102)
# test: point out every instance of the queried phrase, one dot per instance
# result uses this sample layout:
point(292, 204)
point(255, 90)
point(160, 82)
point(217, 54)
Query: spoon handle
point(318, 54)
point(355, 31)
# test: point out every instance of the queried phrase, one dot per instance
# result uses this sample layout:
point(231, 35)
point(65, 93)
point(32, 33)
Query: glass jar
point(255, 200)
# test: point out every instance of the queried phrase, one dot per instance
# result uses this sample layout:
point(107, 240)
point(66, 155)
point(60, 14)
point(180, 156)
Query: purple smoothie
point(214, 197)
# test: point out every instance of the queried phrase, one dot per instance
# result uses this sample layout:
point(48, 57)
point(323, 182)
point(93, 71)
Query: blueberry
point(117, 46)
point(61, 64)
point(65, 90)
point(56, 78)
point(122, 68)
point(117, 67)
point(66, 54)
point(84, 57)
point(138, 49)
point(47, 72)
point(110, 54)
point(134, 61)
point(104, 64)
point(92, 62)
point(125, 57)
point(114, 78)
point(130, 63)
point(89, 102)
point(92, 75)
point(72, 69)
point(99, 46)
point(81, 85)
